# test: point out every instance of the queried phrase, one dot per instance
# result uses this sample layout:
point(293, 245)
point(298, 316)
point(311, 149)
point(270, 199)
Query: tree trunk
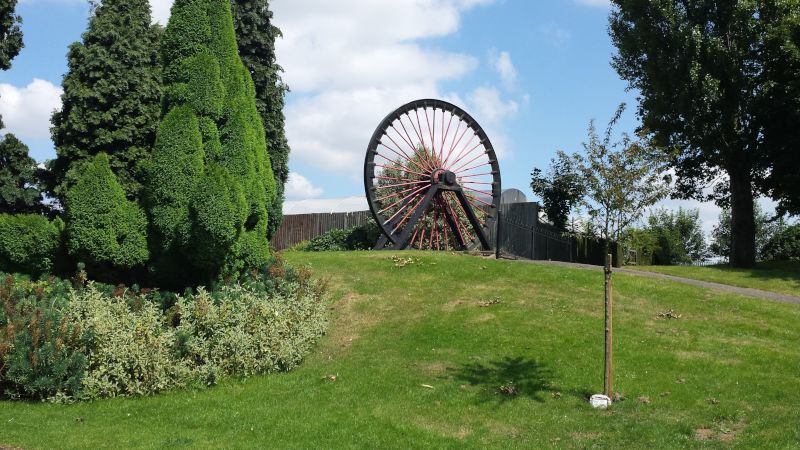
point(743, 224)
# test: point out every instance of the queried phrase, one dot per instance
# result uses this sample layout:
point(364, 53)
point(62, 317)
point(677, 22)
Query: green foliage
point(211, 182)
point(622, 179)
point(30, 243)
point(96, 341)
point(104, 229)
point(10, 33)
point(19, 179)
point(362, 237)
point(679, 236)
point(784, 245)
point(560, 190)
point(718, 84)
point(256, 36)
point(40, 355)
point(111, 99)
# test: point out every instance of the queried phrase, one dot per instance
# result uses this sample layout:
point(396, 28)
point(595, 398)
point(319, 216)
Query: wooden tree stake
point(609, 353)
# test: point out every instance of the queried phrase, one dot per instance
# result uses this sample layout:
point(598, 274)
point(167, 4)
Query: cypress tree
point(104, 229)
point(211, 179)
point(256, 36)
point(111, 100)
point(10, 33)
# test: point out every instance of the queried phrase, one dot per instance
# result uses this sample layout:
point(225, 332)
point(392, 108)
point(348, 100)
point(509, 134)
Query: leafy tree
point(104, 230)
point(10, 33)
point(679, 236)
point(211, 181)
point(19, 184)
point(111, 99)
point(560, 189)
point(256, 35)
point(622, 179)
point(720, 91)
point(721, 235)
point(784, 245)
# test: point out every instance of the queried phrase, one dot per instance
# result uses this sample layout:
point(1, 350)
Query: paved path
point(706, 284)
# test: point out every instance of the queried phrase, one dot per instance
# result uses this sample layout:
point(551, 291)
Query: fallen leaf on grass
point(712, 401)
point(644, 400)
point(669, 314)
point(427, 386)
point(488, 303)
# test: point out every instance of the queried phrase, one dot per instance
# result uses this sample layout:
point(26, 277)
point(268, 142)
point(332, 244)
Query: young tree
point(19, 185)
point(10, 33)
point(256, 35)
point(211, 179)
point(718, 82)
point(622, 179)
point(111, 99)
point(560, 189)
point(104, 230)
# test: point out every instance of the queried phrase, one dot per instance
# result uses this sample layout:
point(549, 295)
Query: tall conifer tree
point(256, 36)
point(211, 179)
point(111, 100)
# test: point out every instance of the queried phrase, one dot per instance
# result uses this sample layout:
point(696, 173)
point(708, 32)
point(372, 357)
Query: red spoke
point(398, 185)
point(402, 208)
point(479, 191)
point(428, 122)
point(470, 196)
point(382, 177)
point(473, 175)
point(475, 167)
point(460, 154)
point(404, 169)
point(397, 163)
point(455, 143)
point(466, 155)
point(419, 123)
point(414, 149)
point(401, 200)
point(457, 220)
point(381, 199)
point(404, 154)
point(408, 214)
point(419, 164)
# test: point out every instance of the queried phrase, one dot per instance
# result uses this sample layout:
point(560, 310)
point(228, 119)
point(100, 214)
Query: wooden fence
point(302, 227)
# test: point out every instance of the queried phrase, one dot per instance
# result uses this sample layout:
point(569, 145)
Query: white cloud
point(299, 187)
point(501, 63)
point(597, 3)
point(326, 205)
point(26, 110)
point(352, 62)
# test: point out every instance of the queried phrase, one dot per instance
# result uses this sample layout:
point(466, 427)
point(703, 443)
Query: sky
point(533, 73)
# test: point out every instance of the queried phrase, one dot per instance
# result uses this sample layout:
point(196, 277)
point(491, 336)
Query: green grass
point(726, 370)
point(777, 276)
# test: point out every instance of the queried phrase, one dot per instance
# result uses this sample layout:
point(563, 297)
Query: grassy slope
point(780, 277)
point(398, 328)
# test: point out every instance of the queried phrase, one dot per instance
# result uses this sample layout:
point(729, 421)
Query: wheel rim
point(420, 144)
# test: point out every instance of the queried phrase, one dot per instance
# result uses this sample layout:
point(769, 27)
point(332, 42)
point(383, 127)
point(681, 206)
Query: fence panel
point(297, 228)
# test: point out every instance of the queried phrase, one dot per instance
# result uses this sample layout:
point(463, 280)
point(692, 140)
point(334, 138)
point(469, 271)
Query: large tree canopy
point(111, 100)
point(256, 36)
point(10, 33)
point(719, 89)
point(211, 179)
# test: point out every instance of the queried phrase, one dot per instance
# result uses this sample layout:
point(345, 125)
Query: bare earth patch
point(722, 433)
point(483, 318)
point(443, 429)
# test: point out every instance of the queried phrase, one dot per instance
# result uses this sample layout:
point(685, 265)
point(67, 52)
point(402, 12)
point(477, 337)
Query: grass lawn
point(421, 352)
point(776, 276)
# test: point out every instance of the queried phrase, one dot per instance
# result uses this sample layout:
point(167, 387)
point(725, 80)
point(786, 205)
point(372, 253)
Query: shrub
point(211, 179)
point(40, 355)
point(29, 243)
point(362, 237)
point(104, 229)
point(62, 343)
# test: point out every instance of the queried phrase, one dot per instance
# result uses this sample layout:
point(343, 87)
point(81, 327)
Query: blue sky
point(533, 73)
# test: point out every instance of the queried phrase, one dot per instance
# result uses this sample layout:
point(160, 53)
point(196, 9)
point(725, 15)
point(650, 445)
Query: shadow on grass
point(506, 379)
